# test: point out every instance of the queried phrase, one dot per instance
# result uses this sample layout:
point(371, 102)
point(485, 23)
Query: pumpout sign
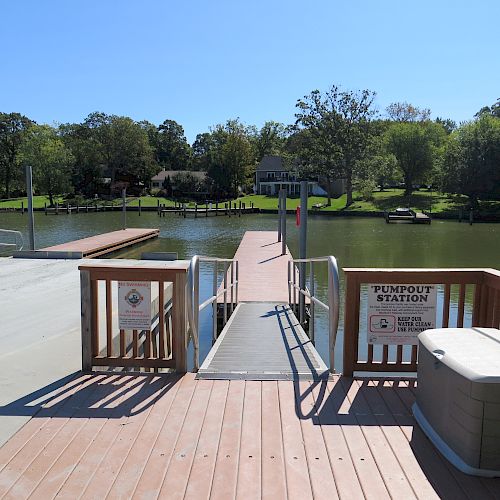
point(398, 313)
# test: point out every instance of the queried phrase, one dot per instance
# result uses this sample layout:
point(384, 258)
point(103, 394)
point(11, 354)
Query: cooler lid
point(472, 352)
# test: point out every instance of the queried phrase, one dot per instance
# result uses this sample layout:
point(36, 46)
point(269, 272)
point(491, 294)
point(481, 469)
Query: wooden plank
point(261, 262)
point(351, 324)
point(86, 320)
point(179, 326)
point(110, 409)
point(202, 471)
point(446, 305)
point(367, 471)
point(296, 469)
point(161, 316)
point(396, 439)
point(461, 306)
point(273, 465)
point(109, 319)
point(399, 397)
point(226, 466)
point(177, 474)
point(320, 470)
point(94, 289)
point(249, 471)
point(387, 463)
point(42, 417)
point(346, 479)
point(18, 464)
point(129, 474)
point(160, 454)
point(69, 446)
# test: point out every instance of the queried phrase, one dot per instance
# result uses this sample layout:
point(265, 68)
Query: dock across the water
point(94, 246)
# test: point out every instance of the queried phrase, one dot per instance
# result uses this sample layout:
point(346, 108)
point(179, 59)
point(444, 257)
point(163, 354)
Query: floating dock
point(103, 244)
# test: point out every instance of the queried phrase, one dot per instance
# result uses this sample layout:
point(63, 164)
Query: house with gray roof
point(272, 175)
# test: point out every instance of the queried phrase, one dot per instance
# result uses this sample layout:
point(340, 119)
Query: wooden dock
point(262, 268)
point(103, 244)
point(124, 436)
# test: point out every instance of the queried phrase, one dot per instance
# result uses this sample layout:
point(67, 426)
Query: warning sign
point(398, 313)
point(134, 305)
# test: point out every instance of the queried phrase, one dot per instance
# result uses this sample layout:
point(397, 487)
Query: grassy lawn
point(38, 202)
point(382, 200)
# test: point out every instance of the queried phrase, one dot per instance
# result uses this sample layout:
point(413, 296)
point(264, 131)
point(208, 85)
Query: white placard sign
point(134, 305)
point(398, 313)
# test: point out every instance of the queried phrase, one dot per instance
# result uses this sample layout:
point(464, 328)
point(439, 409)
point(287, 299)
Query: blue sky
point(201, 62)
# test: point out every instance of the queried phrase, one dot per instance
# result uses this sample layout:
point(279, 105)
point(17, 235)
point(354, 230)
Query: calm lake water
point(356, 242)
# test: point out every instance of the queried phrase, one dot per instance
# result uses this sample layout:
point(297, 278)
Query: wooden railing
point(485, 298)
point(164, 345)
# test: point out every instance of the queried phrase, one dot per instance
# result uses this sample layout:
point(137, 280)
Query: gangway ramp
point(263, 341)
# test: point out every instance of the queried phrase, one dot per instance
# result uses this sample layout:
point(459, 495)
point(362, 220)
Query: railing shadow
point(96, 395)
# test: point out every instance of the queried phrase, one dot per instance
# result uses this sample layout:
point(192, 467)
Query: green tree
point(172, 149)
point(51, 160)
point(122, 145)
point(269, 140)
point(471, 163)
point(415, 146)
point(202, 150)
point(405, 112)
point(493, 110)
point(338, 133)
point(231, 158)
point(13, 130)
point(87, 158)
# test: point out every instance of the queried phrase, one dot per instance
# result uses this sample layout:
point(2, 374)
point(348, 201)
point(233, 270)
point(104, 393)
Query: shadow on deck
point(151, 434)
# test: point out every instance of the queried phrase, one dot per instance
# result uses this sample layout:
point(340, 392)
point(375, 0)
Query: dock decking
point(124, 436)
point(102, 244)
point(262, 268)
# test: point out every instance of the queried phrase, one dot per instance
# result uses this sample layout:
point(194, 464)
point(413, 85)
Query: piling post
point(280, 210)
point(158, 206)
point(471, 216)
point(45, 208)
point(225, 208)
point(206, 209)
point(184, 211)
point(22, 207)
point(216, 208)
point(124, 207)
point(31, 220)
point(283, 224)
point(302, 248)
point(196, 210)
point(239, 209)
point(139, 207)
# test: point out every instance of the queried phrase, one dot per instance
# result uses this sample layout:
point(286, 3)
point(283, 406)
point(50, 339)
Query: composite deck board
point(161, 436)
point(263, 270)
point(263, 340)
point(102, 244)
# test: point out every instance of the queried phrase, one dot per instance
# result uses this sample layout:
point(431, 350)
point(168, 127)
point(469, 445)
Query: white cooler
point(458, 396)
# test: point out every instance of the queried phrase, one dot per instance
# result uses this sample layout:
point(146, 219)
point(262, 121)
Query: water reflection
point(356, 242)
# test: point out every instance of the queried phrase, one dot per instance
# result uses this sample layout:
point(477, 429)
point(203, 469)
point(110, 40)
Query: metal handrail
point(333, 306)
point(18, 239)
point(193, 297)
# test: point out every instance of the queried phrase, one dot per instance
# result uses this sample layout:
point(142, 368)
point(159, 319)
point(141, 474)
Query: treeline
point(337, 134)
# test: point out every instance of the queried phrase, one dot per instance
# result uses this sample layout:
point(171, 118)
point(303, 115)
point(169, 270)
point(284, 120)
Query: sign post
point(398, 313)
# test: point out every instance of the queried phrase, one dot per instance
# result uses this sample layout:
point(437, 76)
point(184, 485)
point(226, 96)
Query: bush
point(366, 188)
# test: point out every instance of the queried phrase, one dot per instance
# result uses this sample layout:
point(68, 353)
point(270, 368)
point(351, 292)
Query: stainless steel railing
point(229, 291)
point(17, 242)
point(333, 305)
